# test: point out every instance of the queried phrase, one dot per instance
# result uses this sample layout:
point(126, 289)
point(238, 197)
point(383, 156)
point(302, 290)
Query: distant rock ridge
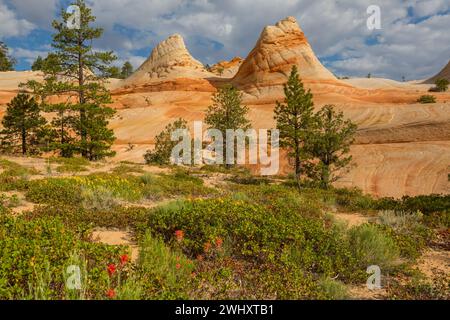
point(277, 50)
point(227, 68)
point(444, 74)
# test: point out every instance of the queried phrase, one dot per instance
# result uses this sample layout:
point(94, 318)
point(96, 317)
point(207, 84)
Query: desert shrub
point(333, 289)
point(71, 165)
point(353, 199)
point(14, 176)
point(408, 231)
point(281, 198)
point(170, 185)
point(35, 255)
point(99, 198)
point(3, 209)
point(164, 145)
point(418, 287)
point(54, 191)
point(399, 220)
point(124, 169)
point(426, 204)
point(427, 99)
point(165, 273)
point(441, 85)
point(249, 180)
point(371, 245)
point(254, 233)
point(70, 190)
point(77, 218)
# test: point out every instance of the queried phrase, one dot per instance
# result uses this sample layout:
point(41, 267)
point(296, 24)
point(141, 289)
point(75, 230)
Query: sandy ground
point(117, 238)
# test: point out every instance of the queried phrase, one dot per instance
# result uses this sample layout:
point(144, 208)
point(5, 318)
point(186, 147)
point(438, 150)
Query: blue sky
point(414, 41)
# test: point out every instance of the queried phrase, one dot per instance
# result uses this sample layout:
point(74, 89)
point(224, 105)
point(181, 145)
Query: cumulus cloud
point(40, 13)
point(413, 41)
point(11, 25)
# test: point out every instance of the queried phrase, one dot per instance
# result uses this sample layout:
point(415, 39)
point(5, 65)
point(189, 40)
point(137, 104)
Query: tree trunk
point(24, 141)
point(82, 101)
point(298, 169)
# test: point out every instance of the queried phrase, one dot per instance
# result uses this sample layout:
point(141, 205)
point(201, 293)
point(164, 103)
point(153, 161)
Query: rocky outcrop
point(170, 59)
point(444, 74)
point(227, 69)
point(278, 49)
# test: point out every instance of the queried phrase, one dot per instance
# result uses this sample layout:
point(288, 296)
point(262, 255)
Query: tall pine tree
point(329, 144)
point(127, 70)
point(6, 62)
point(294, 119)
point(22, 123)
point(227, 112)
point(76, 73)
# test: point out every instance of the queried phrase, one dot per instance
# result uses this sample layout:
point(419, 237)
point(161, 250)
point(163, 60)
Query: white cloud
point(28, 55)
point(217, 29)
point(38, 12)
point(11, 25)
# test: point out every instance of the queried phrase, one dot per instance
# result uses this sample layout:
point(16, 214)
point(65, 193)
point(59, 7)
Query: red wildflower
point(124, 259)
point(179, 235)
point(178, 266)
point(111, 269)
point(111, 293)
point(219, 243)
point(207, 247)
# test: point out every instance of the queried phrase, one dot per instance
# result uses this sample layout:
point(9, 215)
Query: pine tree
point(75, 70)
point(114, 72)
point(37, 64)
point(6, 62)
point(227, 112)
point(441, 85)
point(164, 144)
point(329, 144)
point(295, 119)
point(22, 123)
point(127, 70)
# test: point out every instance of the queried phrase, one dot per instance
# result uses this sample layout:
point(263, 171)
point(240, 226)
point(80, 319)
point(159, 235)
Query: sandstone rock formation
point(169, 60)
point(402, 147)
point(277, 50)
point(444, 74)
point(227, 69)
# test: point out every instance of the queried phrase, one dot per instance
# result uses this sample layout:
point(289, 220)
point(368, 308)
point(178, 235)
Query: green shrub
point(124, 169)
point(353, 199)
point(71, 165)
point(427, 99)
point(408, 231)
point(54, 191)
point(14, 176)
point(372, 246)
point(426, 204)
point(333, 290)
point(400, 220)
point(165, 274)
point(254, 233)
point(100, 199)
point(441, 85)
point(179, 184)
point(77, 218)
point(35, 254)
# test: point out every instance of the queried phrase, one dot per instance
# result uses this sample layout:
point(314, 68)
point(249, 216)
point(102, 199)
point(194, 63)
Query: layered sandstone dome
point(277, 50)
point(444, 74)
point(170, 59)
